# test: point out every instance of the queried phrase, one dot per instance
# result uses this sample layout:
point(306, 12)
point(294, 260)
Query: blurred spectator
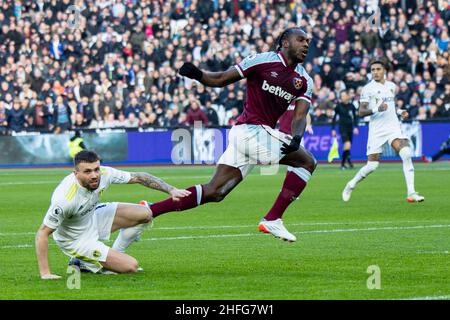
point(3, 119)
point(39, 115)
point(132, 121)
point(195, 113)
point(213, 118)
point(62, 116)
point(169, 119)
point(16, 117)
point(233, 117)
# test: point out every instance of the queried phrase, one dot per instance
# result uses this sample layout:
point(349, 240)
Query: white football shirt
point(375, 93)
point(72, 206)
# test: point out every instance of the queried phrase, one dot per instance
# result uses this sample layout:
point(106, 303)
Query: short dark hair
point(85, 156)
point(285, 34)
point(377, 61)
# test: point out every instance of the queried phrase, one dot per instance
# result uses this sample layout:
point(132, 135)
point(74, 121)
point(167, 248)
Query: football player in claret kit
point(77, 221)
point(275, 79)
point(378, 101)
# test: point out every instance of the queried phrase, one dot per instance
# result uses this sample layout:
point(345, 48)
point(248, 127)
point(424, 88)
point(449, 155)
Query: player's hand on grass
point(177, 194)
point(293, 146)
point(191, 71)
point(50, 277)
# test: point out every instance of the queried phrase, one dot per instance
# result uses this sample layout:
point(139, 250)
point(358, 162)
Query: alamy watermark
point(248, 146)
point(74, 19)
point(374, 21)
point(374, 280)
point(74, 278)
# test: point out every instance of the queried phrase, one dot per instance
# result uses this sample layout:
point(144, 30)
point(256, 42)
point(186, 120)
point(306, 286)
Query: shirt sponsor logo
point(278, 91)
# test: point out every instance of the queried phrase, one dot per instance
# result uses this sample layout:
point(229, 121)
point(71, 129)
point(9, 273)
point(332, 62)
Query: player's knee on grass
point(120, 262)
point(131, 265)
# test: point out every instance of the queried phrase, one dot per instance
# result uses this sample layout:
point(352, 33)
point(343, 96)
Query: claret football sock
point(191, 201)
point(294, 183)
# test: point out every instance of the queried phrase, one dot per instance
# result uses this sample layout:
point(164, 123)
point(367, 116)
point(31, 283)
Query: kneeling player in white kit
point(79, 221)
point(378, 101)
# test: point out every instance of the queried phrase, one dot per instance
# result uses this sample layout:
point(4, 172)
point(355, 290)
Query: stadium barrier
point(189, 145)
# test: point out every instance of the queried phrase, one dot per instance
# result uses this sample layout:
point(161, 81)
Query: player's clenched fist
point(191, 71)
point(293, 146)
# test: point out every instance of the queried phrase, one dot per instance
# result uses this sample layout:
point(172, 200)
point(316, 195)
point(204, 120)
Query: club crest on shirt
point(96, 254)
point(298, 83)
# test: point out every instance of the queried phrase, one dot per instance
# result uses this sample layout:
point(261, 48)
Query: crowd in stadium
point(113, 63)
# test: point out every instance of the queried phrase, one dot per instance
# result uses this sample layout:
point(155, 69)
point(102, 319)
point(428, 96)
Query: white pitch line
point(19, 183)
point(6, 234)
point(299, 232)
point(446, 297)
point(433, 252)
point(259, 234)
point(18, 246)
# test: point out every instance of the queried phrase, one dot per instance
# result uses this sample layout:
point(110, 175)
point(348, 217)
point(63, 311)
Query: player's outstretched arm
point(42, 252)
point(210, 79)
point(156, 183)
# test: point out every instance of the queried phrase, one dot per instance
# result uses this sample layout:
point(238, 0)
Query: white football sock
point(363, 172)
point(408, 169)
point(127, 236)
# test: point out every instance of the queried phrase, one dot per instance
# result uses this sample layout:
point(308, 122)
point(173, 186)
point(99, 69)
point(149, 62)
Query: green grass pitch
point(216, 251)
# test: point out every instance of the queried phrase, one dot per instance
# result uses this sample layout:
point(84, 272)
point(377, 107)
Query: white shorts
point(251, 144)
point(376, 141)
point(89, 249)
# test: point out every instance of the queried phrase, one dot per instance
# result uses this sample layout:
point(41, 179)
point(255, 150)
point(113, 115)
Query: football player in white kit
point(78, 221)
point(378, 101)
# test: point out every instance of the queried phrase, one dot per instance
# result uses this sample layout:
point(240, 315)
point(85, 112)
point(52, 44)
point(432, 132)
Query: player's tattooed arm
point(210, 79)
point(156, 183)
point(150, 181)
